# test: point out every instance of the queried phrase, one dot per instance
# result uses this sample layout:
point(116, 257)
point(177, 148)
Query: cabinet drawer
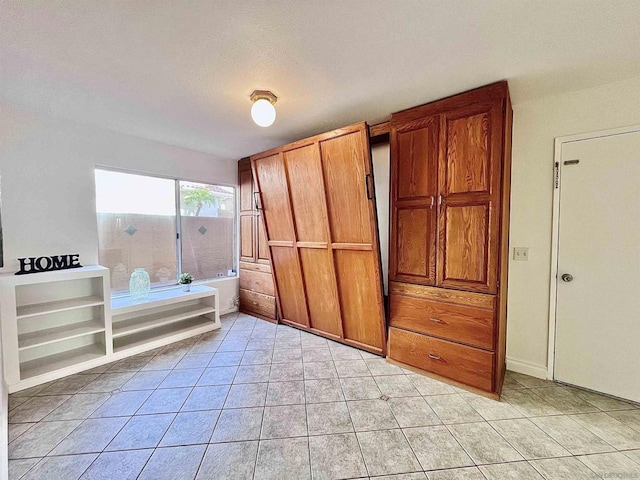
point(467, 365)
point(459, 323)
point(257, 303)
point(257, 281)
point(255, 267)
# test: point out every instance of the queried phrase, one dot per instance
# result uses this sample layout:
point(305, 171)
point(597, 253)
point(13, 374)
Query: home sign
point(48, 264)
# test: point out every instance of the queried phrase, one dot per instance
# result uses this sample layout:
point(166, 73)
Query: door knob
point(567, 277)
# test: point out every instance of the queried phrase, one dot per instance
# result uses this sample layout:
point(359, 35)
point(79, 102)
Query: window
point(165, 226)
point(207, 229)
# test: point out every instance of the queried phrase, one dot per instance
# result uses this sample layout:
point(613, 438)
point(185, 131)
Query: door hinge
point(177, 236)
point(556, 179)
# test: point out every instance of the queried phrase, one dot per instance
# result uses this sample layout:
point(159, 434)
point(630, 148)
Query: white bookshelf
point(25, 311)
point(52, 321)
point(166, 316)
point(59, 323)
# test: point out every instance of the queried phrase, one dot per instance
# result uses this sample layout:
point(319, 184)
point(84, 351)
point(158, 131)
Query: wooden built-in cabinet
point(318, 203)
point(257, 291)
point(450, 178)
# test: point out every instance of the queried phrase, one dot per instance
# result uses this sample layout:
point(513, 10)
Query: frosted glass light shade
point(263, 112)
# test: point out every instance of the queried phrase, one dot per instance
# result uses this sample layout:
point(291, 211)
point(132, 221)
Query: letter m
point(60, 261)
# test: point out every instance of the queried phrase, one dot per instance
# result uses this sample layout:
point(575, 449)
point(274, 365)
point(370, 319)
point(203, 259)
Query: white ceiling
point(180, 71)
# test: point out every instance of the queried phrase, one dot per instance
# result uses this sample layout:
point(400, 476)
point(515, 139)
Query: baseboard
point(224, 311)
point(519, 366)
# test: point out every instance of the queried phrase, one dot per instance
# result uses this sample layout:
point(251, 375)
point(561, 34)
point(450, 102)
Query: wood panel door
point(469, 197)
point(320, 219)
point(414, 168)
point(247, 214)
point(270, 176)
point(346, 162)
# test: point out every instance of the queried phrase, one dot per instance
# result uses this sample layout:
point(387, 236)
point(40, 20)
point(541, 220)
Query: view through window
point(165, 226)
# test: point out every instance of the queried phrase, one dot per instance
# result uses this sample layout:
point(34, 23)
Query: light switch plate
point(521, 254)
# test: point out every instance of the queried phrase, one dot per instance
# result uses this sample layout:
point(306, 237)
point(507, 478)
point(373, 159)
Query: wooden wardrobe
point(450, 178)
point(257, 290)
point(317, 199)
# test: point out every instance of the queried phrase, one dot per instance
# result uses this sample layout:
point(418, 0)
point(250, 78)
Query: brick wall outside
point(129, 241)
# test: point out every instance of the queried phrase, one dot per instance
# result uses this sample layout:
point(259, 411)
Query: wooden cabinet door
point(247, 213)
point(262, 247)
point(319, 211)
point(246, 189)
point(469, 197)
point(414, 168)
point(271, 179)
point(346, 164)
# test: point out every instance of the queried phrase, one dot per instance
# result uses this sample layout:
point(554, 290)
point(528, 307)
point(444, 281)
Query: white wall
point(381, 168)
point(47, 191)
point(536, 124)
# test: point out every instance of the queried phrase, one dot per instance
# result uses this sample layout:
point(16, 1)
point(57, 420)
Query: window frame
point(178, 221)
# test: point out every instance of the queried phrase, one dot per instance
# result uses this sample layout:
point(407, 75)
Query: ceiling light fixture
point(263, 111)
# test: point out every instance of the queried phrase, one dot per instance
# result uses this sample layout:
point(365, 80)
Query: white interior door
point(598, 306)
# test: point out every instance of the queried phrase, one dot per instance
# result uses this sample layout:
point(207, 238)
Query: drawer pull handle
point(434, 357)
point(436, 320)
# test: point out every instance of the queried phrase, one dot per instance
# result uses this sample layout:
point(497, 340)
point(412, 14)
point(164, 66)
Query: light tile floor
point(260, 401)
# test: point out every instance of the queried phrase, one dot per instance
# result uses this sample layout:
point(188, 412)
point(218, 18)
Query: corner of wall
point(527, 368)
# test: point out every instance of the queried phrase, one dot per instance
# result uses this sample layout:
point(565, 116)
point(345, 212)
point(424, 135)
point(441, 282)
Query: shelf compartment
point(159, 319)
point(65, 332)
point(161, 334)
point(26, 311)
point(160, 298)
point(57, 361)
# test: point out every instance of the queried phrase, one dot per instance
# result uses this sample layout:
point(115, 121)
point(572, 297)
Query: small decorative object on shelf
point(140, 284)
point(185, 280)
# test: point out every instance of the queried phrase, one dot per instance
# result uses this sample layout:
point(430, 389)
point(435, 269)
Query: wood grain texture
point(344, 173)
point(414, 249)
point(465, 247)
point(468, 213)
point(257, 304)
point(272, 184)
point(414, 167)
point(291, 292)
point(468, 156)
point(503, 267)
point(322, 294)
point(464, 364)
point(364, 247)
point(246, 190)
point(262, 253)
point(472, 326)
point(257, 281)
point(247, 238)
point(455, 297)
point(416, 163)
point(255, 267)
point(468, 296)
point(307, 193)
point(254, 255)
point(305, 177)
point(359, 297)
point(379, 129)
